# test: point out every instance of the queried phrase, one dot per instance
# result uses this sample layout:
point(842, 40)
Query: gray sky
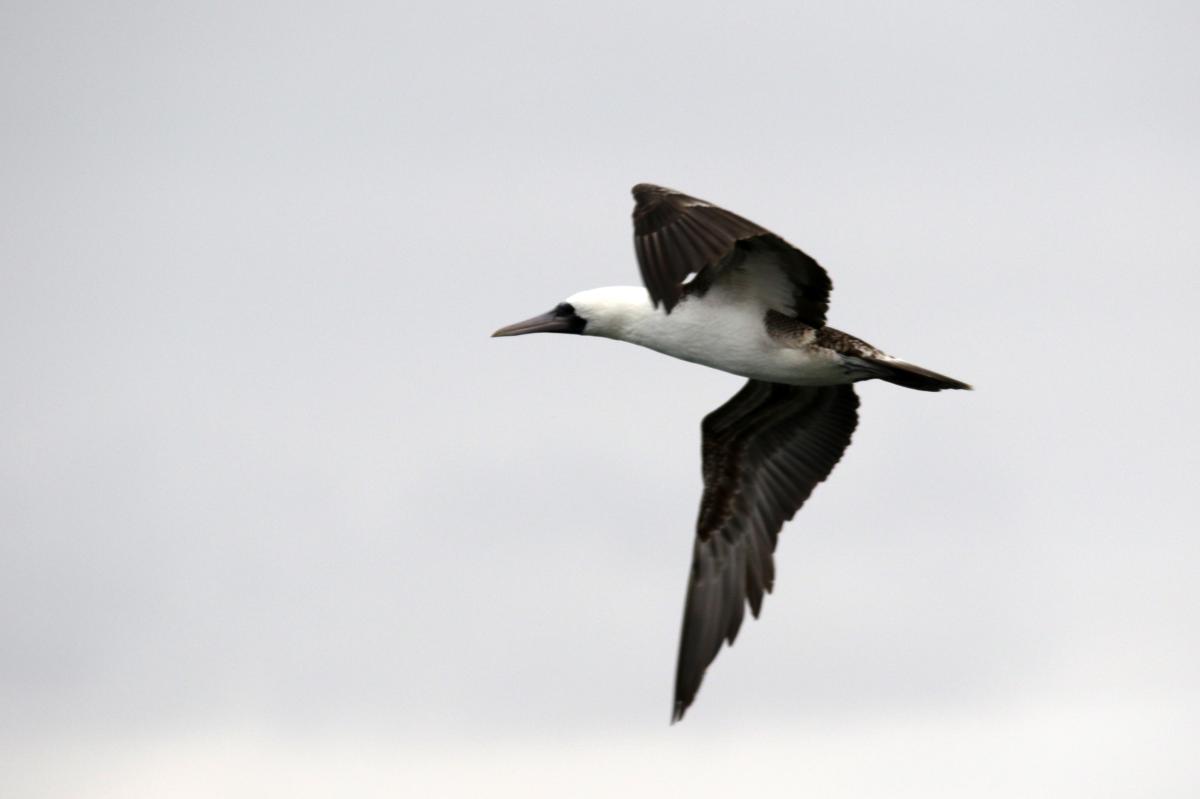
point(277, 516)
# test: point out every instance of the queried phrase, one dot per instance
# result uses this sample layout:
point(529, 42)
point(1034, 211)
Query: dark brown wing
point(763, 453)
point(676, 236)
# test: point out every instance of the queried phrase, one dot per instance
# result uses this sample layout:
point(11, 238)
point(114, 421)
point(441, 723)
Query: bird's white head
point(604, 312)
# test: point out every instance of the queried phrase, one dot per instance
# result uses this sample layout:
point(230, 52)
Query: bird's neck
point(627, 314)
point(624, 313)
point(723, 335)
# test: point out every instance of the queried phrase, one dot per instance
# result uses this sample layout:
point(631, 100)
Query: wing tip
point(647, 188)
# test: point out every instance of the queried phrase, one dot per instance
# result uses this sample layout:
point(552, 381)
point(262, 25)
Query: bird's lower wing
point(763, 453)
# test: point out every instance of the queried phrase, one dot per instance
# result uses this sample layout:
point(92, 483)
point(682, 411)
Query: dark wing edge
point(764, 451)
point(676, 235)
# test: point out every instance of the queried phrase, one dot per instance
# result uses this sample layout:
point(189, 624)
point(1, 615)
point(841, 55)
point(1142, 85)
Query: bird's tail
point(910, 375)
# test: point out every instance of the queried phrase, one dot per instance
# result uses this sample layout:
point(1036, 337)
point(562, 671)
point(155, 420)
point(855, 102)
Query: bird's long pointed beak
point(544, 323)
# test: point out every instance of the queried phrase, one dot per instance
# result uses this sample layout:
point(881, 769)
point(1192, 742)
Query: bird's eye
point(564, 309)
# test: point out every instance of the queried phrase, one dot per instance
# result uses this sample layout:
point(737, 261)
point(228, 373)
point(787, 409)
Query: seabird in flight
point(724, 292)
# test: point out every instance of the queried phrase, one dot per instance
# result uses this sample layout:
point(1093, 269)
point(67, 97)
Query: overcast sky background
point(278, 518)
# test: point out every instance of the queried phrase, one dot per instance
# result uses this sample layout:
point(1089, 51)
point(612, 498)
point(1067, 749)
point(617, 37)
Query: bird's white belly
point(739, 343)
point(793, 366)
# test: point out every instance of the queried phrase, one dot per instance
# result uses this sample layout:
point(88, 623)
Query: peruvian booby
point(726, 293)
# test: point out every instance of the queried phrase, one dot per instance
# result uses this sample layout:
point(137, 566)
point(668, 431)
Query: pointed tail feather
point(910, 375)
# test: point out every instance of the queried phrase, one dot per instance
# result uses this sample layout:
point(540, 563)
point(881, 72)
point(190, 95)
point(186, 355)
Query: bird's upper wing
point(763, 453)
point(676, 236)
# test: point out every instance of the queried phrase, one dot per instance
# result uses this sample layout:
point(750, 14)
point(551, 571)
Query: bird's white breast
point(718, 331)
